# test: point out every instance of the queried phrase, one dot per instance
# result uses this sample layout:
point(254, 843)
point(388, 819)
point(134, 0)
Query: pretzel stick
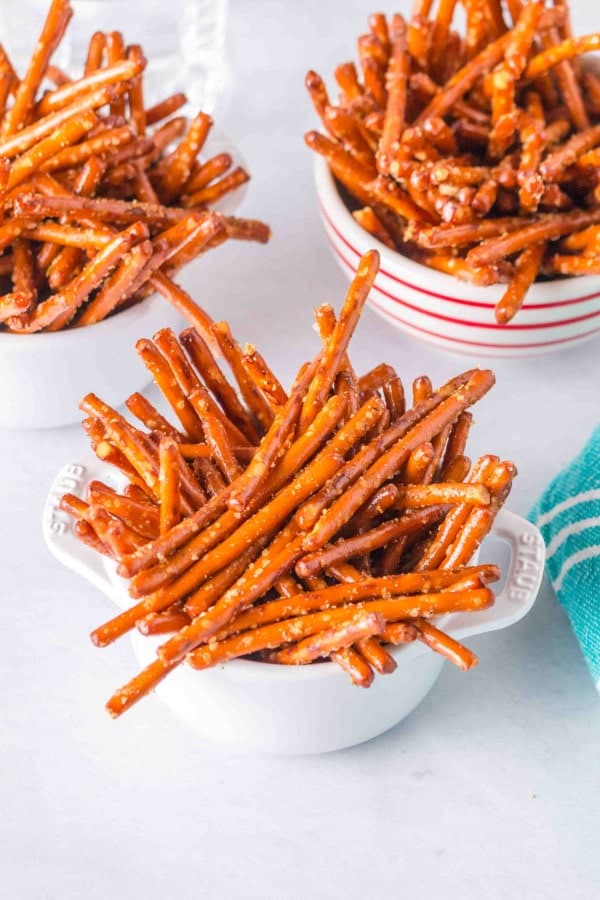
point(526, 270)
point(338, 343)
point(271, 446)
point(165, 108)
point(445, 645)
point(298, 454)
point(77, 291)
point(180, 164)
point(544, 228)
point(363, 625)
point(309, 514)
point(170, 512)
point(156, 363)
point(367, 541)
point(55, 26)
point(396, 83)
point(276, 634)
point(201, 357)
point(260, 520)
point(388, 463)
point(430, 588)
point(166, 622)
point(355, 665)
point(218, 441)
point(263, 377)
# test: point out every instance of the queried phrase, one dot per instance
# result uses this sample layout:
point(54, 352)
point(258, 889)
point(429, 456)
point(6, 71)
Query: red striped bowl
point(453, 314)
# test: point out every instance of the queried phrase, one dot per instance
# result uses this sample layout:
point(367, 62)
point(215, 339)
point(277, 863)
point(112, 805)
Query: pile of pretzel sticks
point(477, 154)
point(103, 199)
point(325, 523)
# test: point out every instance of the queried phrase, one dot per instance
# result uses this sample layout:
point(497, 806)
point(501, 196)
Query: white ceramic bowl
point(453, 314)
point(307, 709)
point(43, 376)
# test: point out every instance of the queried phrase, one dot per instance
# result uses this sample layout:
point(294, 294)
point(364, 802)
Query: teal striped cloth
point(568, 516)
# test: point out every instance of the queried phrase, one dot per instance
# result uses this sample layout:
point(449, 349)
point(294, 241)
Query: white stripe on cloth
point(572, 561)
point(573, 528)
point(584, 497)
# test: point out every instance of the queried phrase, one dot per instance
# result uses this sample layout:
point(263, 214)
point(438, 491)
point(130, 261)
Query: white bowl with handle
point(267, 708)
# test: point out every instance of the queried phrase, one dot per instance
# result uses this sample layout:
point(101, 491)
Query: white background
point(490, 789)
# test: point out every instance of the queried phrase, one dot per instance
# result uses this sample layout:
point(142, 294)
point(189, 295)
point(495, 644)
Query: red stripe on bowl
point(551, 305)
point(444, 337)
point(493, 326)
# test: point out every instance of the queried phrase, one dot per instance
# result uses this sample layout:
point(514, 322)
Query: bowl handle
point(518, 593)
point(57, 526)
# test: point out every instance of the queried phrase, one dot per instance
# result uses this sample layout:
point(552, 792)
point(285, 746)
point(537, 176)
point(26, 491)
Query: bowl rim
point(441, 283)
point(65, 337)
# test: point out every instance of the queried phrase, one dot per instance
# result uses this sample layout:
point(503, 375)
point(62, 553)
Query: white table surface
point(490, 789)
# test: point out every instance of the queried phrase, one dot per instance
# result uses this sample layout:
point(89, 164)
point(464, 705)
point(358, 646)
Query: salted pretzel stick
point(526, 271)
point(566, 50)
point(114, 50)
point(207, 172)
point(102, 143)
point(54, 27)
point(253, 397)
point(368, 219)
point(180, 164)
point(140, 516)
point(123, 70)
point(156, 363)
point(165, 108)
point(64, 265)
point(272, 445)
point(14, 304)
point(183, 302)
point(95, 53)
point(218, 441)
point(355, 666)
point(84, 531)
point(204, 554)
point(457, 439)
point(417, 464)
point(464, 79)
point(166, 622)
point(384, 467)
point(67, 134)
point(557, 162)
point(548, 227)
point(396, 82)
point(203, 598)
point(195, 392)
point(200, 355)
point(298, 454)
point(274, 635)
point(337, 345)
point(380, 502)
point(117, 287)
point(363, 625)
point(213, 192)
point(77, 291)
point(435, 551)
point(262, 375)
point(24, 270)
point(368, 541)
point(418, 495)
point(445, 645)
point(170, 510)
point(135, 55)
point(429, 590)
point(366, 456)
point(27, 137)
